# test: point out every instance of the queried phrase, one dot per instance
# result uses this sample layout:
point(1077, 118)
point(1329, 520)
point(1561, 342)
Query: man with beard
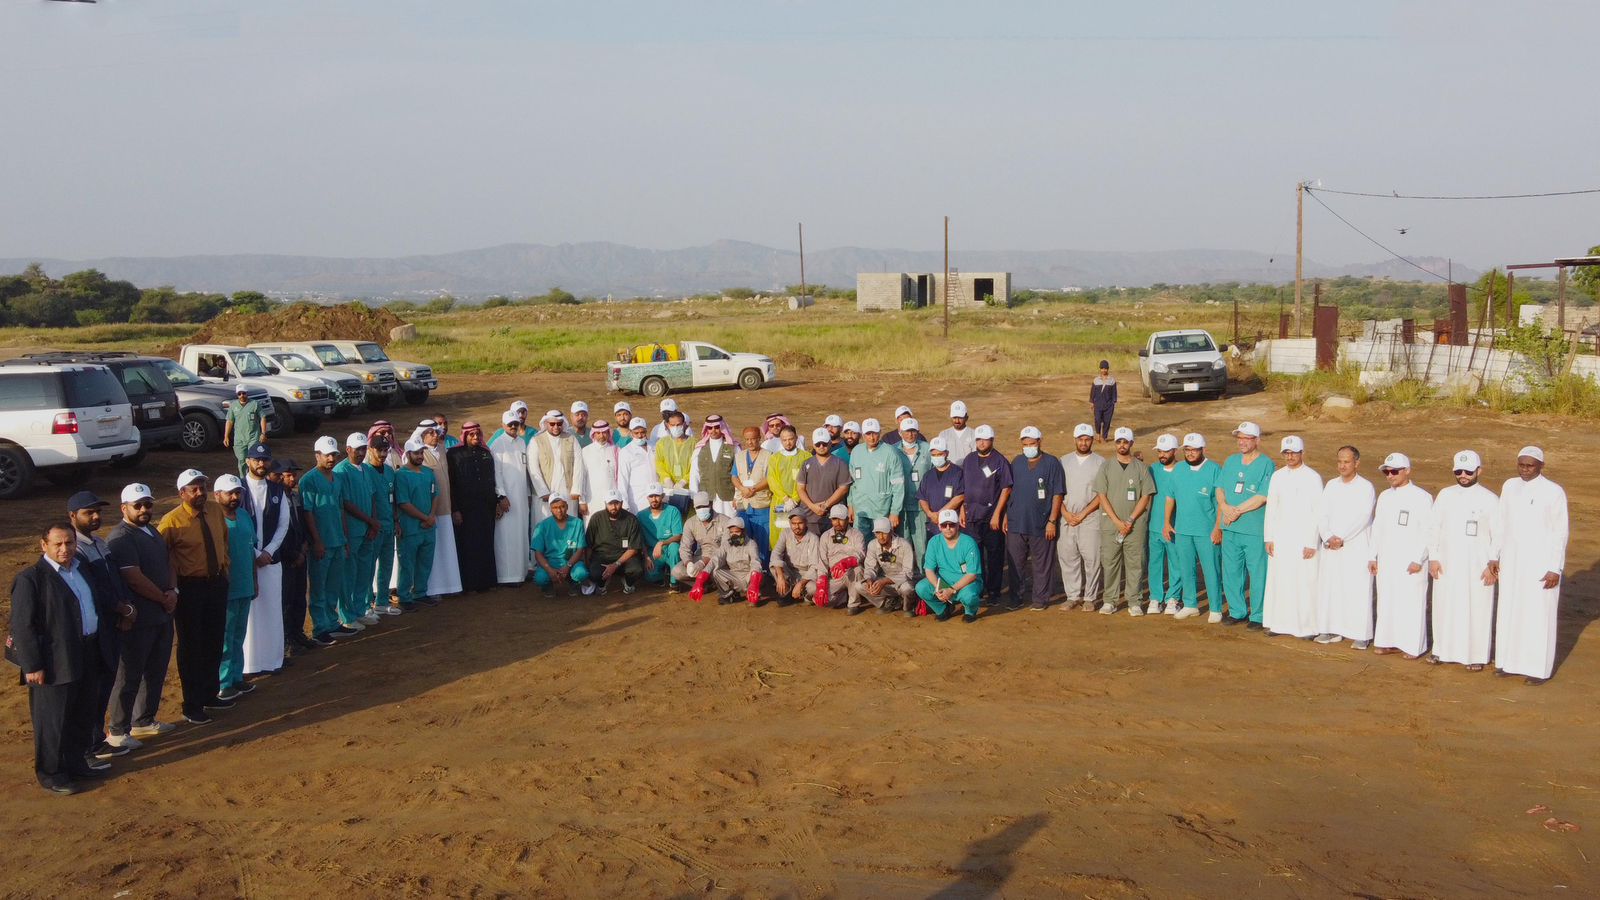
point(1289, 535)
point(1195, 526)
point(268, 506)
point(823, 481)
point(476, 502)
point(1078, 550)
point(662, 530)
point(986, 478)
point(616, 547)
point(889, 576)
point(140, 555)
point(512, 527)
point(197, 542)
point(419, 508)
point(1399, 560)
point(1461, 544)
point(1344, 581)
point(1533, 553)
point(738, 566)
point(753, 498)
point(241, 586)
point(1124, 488)
point(841, 549)
point(1164, 582)
point(796, 560)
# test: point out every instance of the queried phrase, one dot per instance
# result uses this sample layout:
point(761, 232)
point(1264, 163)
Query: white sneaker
point(354, 626)
point(1360, 645)
point(1188, 612)
point(1328, 639)
point(368, 619)
point(124, 740)
point(1153, 607)
point(1110, 609)
point(1173, 606)
point(1215, 618)
point(388, 609)
point(153, 729)
point(1134, 610)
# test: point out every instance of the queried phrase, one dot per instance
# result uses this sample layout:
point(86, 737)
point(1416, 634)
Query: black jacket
point(47, 625)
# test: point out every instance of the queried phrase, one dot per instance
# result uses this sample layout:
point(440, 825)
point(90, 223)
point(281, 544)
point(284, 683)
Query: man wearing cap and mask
point(244, 427)
point(579, 414)
point(616, 546)
point(1194, 526)
point(1399, 561)
point(942, 485)
point(711, 469)
point(1165, 583)
point(322, 494)
point(1103, 398)
point(889, 573)
point(661, 527)
point(558, 545)
point(738, 567)
point(270, 513)
point(1124, 488)
point(141, 558)
point(960, 439)
point(951, 571)
point(823, 480)
point(783, 473)
point(664, 427)
point(752, 500)
point(419, 507)
point(197, 545)
point(555, 465)
point(703, 535)
point(796, 561)
point(916, 460)
point(1461, 541)
point(877, 479)
point(476, 502)
point(986, 480)
point(636, 463)
point(602, 468)
point(841, 549)
point(1289, 535)
point(229, 497)
point(1031, 520)
point(674, 452)
point(1344, 580)
point(1078, 550)
point(94, 558)
point(513, 527)
point(1242, 488)
point(1532, 555)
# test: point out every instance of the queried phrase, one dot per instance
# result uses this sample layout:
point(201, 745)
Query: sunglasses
point(1464, 471)
point(1390, 471)
point(142, 504)
point(949, 525)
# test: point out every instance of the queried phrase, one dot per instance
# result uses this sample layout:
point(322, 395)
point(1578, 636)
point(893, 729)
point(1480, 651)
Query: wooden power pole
point(947, 278)
point(802, 228)
point(1299, 248)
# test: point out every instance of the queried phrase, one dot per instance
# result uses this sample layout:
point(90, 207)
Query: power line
point(1392, 195)
point(1374, 241)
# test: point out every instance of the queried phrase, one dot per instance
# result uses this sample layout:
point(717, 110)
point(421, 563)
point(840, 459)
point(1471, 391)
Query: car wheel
point(128, 462)
point(16, 472)
point(200, 433)
point(654, 386)
point(286, 422)
point(417, 398)
point(1156, 399)
point(750, 380)
point(68, 476)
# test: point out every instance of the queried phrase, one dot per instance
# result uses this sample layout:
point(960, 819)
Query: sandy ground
point(512, 745)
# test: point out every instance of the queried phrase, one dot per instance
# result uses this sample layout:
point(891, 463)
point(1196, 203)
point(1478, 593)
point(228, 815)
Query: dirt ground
point(643, 746)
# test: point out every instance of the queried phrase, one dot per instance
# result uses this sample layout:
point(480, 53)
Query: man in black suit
point(56, 619)
point(94, 561)
point(292, 553)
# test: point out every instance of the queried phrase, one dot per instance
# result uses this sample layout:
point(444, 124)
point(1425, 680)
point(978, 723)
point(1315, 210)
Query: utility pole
point(947, 278)
point(1299, 248)
point(802, 228)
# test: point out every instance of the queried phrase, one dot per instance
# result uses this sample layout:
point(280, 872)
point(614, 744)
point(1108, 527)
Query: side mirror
point(1143, 352)
point(273, 370)
point(1222, 348)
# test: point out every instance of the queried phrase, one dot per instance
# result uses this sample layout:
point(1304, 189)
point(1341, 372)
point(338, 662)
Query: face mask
point(736, 541)
point(676, 431)
point(939, 461)
point(704, 513)
point(1030, 452)
point(788, 451)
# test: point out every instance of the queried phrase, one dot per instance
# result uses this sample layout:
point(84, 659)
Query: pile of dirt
point(301, 322)
point(795, 359)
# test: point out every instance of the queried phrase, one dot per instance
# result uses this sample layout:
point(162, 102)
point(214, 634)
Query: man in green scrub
point(1164, 582)
point(322, 496)
point(416, 500)
point(878, 486)
point(361, 534)
point(1124, 487)
point(381, 479)
point(1194, 526)
point(952, 571)
point(662, 529)
point(1242, 505)
point(244, 427)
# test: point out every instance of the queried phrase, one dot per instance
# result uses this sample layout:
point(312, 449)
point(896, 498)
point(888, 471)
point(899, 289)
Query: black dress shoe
point(1253, 626)
point(857, 610)
point(1230, 620)
point(1534, 681)
point(944, 616)
point(969, 618)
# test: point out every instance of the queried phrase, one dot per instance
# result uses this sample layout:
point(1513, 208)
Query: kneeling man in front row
point(796, 560)
point(615, 544)
point(951, 571)
point(888, 573)
point(738, 565)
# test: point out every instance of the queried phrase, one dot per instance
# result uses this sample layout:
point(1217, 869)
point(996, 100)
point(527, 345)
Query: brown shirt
point(181, 530)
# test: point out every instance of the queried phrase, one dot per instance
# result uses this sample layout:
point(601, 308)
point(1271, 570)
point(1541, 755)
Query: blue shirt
point(983, 478)
point(939, 488)
point(1032, 490)
point(558, 543)
point(80, 588)
point(952, 564)
point(669, 526)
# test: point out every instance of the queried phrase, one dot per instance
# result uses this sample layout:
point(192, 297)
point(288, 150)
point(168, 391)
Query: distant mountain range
point(601, 269)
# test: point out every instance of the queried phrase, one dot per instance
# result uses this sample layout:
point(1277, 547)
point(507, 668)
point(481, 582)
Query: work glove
point(753, 595)
point(699, 589)
point(821, 598)
point(844, 565)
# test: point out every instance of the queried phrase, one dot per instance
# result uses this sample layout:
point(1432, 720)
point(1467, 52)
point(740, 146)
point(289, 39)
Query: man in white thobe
point(555, 467)
point(636, 467)
point(1400, 528)
point(958, 437)
point(263, 630)
point(1344, 581)
point(1294, 507)
point(602, 469)
point(1460, 553)
point(512, 540)
point(1533, 553)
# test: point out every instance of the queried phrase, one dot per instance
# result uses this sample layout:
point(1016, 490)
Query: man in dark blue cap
point(94, 558)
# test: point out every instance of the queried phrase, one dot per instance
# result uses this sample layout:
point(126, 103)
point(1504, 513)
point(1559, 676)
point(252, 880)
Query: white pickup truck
point(300, 401)
point(655, 369)
point(1183, 362)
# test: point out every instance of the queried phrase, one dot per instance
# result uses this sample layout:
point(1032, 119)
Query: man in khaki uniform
point(796, 560)
point(1126, 489)
point(888, 573)
point(738, 565)
point(842, 548)
point(703, 536)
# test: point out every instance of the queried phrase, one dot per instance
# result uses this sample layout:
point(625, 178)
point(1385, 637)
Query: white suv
point(60, 420)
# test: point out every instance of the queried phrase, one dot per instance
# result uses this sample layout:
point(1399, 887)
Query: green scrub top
point(418, 489)
point(1239, 483)
point(323, 500)
point(1195, 491)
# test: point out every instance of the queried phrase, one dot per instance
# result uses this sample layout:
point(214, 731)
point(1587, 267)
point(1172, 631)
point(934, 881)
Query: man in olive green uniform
point(244, 428)
point(1125, 488)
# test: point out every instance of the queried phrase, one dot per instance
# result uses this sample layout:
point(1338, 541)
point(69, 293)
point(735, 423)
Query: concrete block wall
point(881, 290)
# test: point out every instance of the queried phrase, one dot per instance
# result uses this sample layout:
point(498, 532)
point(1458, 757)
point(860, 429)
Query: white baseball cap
point(509, 416)
point(613, 497)
point(871, 425)
point(638, 422)
point(415, 445)
point(1167, 442)
point(1123, 434)
point(1292, 444)
point(821, 436)
point(835, 420)
point(621, 405)
point(1468, 460)
point(1082, 430)
point(1397, 461)
point(984, 433)
point(669, 404)
point(910, 424)
point(579, 406)
point(654, 490)
point(902, 411)
point(1194, 439)
point(228, 483)
point(839, 511)
point(355, 439)
point(881, 525)
point(1032, 432)
point(701, 499)
point(1532, 451)
point(136, 491)
point(939, 444)
point(190, 476)
point(519, 404)
point(1247, 429)
point(852, 426)
point(326, 444)
point(958, 410)
point(948, 515)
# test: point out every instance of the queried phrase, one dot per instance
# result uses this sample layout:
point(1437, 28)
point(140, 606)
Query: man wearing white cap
point(1031, 520)
point(241, 586)
point(602, 468)
point(1533, 554)
point(841, 550)
point(322, 495)
point(579, 414)
point(916, 460)
point(1461, 542)
point(986, 479)
point(901, 414)
point(512, 530)
point(834, 424)
point(661, 528)
point(1289, 535)
point(668, 406)
point(1242, 488)
point(518, 411)
point(1165, 584)
point(1124, 488)
point(942, 486)
point(1078, 550)
point(1399, 563)
point(140, 554)
point(555, 466)
point(822, 481)
point(703, 534)
point(958, 437)
point(1194, 526)
point(622, 419)
point(420, 507)
point(558, 545)
point(889, 574)
point(1344, 582)
point(951, 571)
point(796, 560)
point(877, 479)
point(850, 438)
point(738, 566)
point(636, 463)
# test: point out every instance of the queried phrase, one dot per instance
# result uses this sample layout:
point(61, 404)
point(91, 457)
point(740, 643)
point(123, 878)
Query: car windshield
point(1184, 343)
point(143, 380)
point(330, 356)
point(371, 353)
point(249, 364)
point(294, 362)
point(177, 375)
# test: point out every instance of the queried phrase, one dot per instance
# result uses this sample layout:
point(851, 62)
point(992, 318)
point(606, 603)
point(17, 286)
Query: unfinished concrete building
point(908, 290)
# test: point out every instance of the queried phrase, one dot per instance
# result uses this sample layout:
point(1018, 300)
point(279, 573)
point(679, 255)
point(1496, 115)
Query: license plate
point(109, 427)
point(1192, 386)
point(327, 410)
point(430, 384)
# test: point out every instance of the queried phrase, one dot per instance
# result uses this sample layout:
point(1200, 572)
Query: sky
point(397, 127)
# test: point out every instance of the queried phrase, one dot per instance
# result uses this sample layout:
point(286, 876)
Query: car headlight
point(368, 377)
point(1218, 364)
point(1156, 366)
point(298, 395)
point(404, 373)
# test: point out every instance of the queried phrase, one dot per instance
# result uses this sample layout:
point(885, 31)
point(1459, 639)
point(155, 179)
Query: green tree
point(43, 309)
point(1587, 278)
point(250, 302)
point(1495, 280)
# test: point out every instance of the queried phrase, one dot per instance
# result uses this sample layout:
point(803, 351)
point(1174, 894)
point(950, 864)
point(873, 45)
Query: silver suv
point(60, 420)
